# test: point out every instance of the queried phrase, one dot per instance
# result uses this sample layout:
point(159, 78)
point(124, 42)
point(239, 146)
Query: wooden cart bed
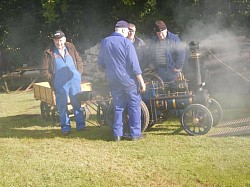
point(43, 92)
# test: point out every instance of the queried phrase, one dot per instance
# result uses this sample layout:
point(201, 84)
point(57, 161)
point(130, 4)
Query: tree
point(26, 26)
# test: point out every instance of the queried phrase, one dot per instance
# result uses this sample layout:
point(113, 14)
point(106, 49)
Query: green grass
point(33, 153)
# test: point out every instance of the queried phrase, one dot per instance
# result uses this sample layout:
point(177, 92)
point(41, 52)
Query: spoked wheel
point(45, 110)
point(55, 117)
point(150, 78)
point(86, 112)
point(101, 113)
point(196, 119)
point(216, 110)
point(91, 112)
point(144, 117)
point(155, 85)
point(110, 115)
point(151, 124)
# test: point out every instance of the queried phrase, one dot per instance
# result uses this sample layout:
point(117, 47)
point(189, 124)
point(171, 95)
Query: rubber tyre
point(144, 117)
point(86, 112)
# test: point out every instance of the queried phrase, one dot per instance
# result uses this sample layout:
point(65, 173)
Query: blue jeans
point(70, 89)
point(131, 98)
point(167, 74)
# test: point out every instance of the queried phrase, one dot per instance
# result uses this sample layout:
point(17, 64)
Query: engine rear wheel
point(148, 77)
point(144, 117)
point(216, 110)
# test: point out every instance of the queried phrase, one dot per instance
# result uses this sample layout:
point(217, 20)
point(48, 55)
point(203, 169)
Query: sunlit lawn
point(33, 153)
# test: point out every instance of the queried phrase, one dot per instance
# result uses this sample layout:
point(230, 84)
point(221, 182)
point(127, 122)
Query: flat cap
point(58, 34)
point(160, 26)
point(121, 24)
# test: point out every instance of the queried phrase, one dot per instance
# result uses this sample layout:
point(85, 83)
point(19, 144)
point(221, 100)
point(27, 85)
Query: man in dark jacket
point(166, 53)
point(138, 43)
point(63, 66)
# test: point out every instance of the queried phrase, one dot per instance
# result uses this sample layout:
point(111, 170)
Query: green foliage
point(50, 7)
point(49, 12)
point(26, 26)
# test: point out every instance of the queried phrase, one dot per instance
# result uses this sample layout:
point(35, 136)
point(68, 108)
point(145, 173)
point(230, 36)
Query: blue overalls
point(118, 56)
point(67, 82)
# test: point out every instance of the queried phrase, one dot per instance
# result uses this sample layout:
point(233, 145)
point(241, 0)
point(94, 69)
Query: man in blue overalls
point(118, 57)
point(62, 65)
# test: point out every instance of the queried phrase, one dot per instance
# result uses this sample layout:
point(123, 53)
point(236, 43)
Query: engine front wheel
point(196, 119)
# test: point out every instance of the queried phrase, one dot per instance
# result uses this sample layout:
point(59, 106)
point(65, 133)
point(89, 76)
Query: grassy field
point(33, 153)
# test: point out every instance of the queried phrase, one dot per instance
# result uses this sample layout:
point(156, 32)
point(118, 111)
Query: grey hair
point(118, 29)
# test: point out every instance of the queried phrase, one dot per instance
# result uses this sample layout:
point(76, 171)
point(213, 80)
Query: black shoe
point(66, 133)
point(138, 138)
point(117, 138)
point(126, 136)
point(83, 129)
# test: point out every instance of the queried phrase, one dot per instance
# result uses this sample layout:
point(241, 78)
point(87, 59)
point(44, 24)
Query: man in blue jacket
point(166, 53)
point(118, 57)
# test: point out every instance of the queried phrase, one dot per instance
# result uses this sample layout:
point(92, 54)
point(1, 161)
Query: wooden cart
point(45, 94)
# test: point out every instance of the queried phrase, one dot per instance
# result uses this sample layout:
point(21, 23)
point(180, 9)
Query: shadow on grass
point(33, 126)
point(163, 129)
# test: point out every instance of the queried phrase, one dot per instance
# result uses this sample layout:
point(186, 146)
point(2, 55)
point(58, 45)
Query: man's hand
point(176, 70)
point(141, 82)
point(142, 87)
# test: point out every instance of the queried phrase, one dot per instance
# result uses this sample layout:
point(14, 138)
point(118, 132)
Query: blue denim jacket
point(175, 52)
